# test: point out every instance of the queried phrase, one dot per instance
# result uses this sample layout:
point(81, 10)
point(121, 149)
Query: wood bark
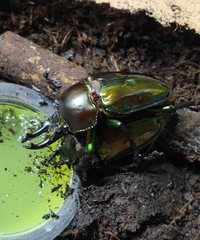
point(22, 61)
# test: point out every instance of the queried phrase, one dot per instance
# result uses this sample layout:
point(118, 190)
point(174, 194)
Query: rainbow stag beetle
point(111, 143)
point(108, 96)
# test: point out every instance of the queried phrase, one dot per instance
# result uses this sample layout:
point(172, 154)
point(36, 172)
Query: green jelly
point(29, 186)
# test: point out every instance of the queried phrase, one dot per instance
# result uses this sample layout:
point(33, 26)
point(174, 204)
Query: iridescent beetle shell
point(114, 143)
point(109, 96)
point(121, 94)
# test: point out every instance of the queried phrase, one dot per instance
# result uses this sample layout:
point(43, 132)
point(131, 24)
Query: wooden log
point(22, 61)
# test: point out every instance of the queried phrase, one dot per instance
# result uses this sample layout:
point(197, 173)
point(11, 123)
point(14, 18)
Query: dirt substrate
point(160, 198)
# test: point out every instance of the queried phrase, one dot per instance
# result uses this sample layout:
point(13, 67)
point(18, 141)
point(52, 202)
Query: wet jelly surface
point(29, 186)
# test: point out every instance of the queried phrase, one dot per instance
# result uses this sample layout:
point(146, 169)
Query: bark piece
point(22, 61)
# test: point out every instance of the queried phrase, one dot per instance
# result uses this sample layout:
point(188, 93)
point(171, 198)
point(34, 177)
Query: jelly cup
point(34, 199)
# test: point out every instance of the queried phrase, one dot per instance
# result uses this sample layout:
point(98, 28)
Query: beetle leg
point(90, 147)
point(66, 151)
point(80, 150)
point(79, 156)
point(173, 108)
point(169, 109)
point(120, 125)
point(82, 158)
point(147, 149)
point(84, 153)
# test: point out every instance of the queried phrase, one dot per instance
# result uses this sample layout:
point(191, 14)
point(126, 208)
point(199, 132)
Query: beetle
point(111, 144)
point(115, 99)
point(109, 96)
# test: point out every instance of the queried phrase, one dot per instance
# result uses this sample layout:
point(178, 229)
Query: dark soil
point(160, 198)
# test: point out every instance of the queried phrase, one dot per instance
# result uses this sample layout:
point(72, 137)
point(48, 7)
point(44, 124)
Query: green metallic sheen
point(123, 94)
point(143, 132)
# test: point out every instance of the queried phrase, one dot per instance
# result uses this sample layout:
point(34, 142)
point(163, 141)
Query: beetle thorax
point(77, 109)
